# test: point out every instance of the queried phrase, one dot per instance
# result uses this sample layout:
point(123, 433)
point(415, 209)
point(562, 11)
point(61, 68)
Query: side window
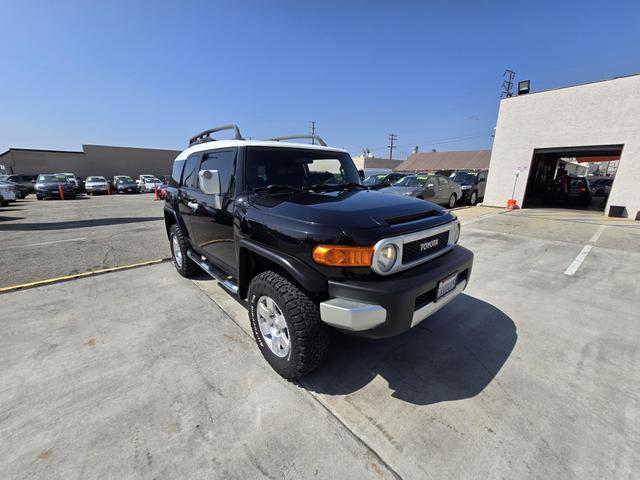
point(482, 177)
point(176, 173)
point(190, 174)
point(224, 161)
point(443, 180)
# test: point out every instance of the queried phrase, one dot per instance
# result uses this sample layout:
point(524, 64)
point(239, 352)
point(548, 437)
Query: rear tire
point(452, 200)
point(179, 246)
point(290, 334)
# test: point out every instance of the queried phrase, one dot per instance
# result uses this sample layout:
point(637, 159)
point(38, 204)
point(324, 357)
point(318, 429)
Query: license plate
point(128, 189)
point(446, 285)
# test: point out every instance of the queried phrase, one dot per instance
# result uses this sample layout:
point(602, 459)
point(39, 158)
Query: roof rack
point(291, 137)
point(206, 135)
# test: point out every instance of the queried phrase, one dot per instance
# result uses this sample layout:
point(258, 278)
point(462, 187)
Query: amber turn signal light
point(339, 256)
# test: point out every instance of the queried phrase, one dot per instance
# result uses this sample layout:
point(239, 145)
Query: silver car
point(96, 184)
point(435, 188)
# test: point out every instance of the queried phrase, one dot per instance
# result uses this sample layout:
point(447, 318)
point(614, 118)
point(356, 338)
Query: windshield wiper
point(276, 187)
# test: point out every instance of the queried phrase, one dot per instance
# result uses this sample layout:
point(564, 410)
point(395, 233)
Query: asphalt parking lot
point(53, 238)
point(532, 372)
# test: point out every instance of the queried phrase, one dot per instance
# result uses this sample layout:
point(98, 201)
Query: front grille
point(424, 247)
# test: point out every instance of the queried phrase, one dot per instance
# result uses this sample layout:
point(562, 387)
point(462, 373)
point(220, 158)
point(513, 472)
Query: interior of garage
point(572, 177)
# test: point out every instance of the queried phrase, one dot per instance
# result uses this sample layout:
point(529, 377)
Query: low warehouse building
point(92, 160)
point(538, 134)
point(446, 161)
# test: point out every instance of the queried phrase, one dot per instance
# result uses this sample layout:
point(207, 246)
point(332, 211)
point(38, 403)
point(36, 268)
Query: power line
point(460, 138)
point(392, 138)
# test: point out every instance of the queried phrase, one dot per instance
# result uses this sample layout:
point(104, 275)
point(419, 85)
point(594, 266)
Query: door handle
point(192, 205)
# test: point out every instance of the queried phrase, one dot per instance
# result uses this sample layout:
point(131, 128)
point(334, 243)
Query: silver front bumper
point(432, 307)
point(357, 316)
point(352, 315)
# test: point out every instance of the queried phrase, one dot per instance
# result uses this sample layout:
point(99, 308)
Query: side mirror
point(209, 182)
point(431, 185)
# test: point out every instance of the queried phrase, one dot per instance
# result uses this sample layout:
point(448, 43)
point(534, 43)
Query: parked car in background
point(435, 188)
point(381, 180)
point(20, 190)
point(96, 184)
point(567, 189)
point(124, 184)
point(49, 185)
point(472, 183)
point(27, 181)
point(601, 187)
point(72, 178)
point(7, 194)
point(162, 190)
point(141, 179)
point(149, 184)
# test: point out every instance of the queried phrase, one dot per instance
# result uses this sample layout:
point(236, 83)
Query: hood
point(399, 190)
point(357, 209)
point(54, 184)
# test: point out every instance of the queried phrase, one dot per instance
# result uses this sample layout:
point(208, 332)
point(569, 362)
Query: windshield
point(51, 178)
point(125, 180)
point(96, 179)
point(298, 168)
point(411, 181)
point(151, 180)
point(4, 177)
point(464, 177)
point(374, 179)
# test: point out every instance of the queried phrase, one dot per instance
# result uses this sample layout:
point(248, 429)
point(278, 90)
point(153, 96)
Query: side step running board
point(216, 273)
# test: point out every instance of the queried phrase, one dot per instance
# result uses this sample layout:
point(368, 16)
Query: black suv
point(289, 228)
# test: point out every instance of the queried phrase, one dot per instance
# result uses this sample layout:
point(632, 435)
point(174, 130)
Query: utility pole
point(507, 83)
point(313, 131)
point(392, 139)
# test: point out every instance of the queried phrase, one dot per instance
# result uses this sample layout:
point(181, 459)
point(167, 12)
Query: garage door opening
point(572, 177)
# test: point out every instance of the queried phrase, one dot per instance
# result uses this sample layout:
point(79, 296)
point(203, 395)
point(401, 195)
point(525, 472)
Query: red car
point(162, 191)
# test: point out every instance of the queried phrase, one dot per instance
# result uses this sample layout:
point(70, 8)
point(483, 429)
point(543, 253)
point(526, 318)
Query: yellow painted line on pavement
point(90, 273)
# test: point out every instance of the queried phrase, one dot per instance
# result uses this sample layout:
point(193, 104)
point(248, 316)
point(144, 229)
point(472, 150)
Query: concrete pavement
point(532, 373)
point(53, 238)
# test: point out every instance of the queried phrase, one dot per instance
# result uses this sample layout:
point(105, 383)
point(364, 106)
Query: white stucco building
point(591, 122)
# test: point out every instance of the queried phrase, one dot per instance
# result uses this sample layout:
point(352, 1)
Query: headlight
point(386, 257)
point(465, 187)
point(456, 233)
point(409, 193)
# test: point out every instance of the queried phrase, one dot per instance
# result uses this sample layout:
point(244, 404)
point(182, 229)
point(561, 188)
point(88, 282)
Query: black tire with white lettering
point(286, 325)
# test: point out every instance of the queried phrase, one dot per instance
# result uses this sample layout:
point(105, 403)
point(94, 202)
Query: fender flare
point(308, 278)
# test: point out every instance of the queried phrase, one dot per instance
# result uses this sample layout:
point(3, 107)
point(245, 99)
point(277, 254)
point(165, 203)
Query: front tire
point(179, 246)
point(286, 326)
point(473, 198)
point(452, 200)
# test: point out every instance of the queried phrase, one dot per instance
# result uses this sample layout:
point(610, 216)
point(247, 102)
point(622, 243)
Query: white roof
point(218, 144)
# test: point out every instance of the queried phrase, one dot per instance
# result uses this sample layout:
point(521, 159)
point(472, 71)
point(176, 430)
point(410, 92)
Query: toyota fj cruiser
point(289, 228)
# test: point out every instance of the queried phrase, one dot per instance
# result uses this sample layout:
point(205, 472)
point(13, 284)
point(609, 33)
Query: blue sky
point(154, 73)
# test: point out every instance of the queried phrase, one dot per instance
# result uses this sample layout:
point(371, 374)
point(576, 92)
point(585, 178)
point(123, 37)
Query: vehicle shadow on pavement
point(452, 355)
point(95, 222)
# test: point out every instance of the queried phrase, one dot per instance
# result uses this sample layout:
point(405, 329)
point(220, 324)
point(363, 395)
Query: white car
point(149, 184)
point(141, 179)
point(96, 185)
point(7, 194)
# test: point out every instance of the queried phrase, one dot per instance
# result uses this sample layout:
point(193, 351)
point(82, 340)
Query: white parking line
point(48, 243)
point(596, 235)
point(575, 265)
